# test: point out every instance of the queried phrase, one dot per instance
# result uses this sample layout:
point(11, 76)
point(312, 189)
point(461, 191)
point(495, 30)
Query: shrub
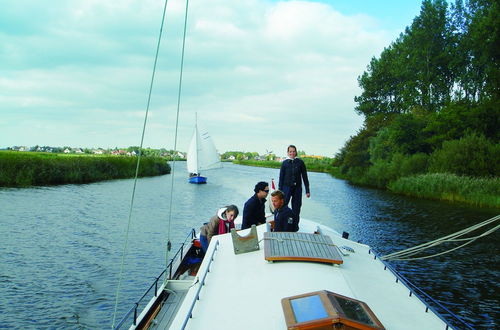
point(472, 155)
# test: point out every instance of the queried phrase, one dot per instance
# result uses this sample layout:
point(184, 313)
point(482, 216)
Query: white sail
point(202, 154)
point(192, 155)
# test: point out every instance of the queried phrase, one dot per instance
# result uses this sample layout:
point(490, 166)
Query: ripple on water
point(61, 246)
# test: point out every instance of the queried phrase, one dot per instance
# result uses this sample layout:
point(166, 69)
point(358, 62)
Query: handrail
point(202, 283)
point(414, 289)
point(191, 235)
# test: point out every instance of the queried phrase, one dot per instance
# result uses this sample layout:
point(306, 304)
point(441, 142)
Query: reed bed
point(22, 169)
point(311, 165)
point(483, 192)
point(259, 163)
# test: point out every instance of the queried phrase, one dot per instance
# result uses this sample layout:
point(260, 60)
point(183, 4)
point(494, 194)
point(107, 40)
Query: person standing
point(292, 173)
point(221, 223)
point(254, 211)
point(284, 218)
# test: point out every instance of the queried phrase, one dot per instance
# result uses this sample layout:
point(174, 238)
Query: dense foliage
point(21, 169)
point(431, 100)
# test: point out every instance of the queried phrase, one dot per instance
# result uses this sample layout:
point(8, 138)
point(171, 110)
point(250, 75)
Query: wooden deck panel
point(300, 247)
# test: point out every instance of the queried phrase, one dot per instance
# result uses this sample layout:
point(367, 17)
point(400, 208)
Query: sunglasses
point(266, 190)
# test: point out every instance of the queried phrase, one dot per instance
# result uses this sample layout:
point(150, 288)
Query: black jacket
point(292, 172)
point(253, 212)
point(285, 220)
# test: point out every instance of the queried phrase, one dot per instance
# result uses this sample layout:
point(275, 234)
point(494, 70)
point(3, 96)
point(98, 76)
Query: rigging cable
point(408, 254)
point(138, 164)
point(169, 244)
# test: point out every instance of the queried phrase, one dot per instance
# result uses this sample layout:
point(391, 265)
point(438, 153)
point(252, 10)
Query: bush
point(414, 164)
point(472, 155)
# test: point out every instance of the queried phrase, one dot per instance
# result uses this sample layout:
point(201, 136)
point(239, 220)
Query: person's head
point(292, 151)
point(278, 199)
point(230, 213)
point(261, 189)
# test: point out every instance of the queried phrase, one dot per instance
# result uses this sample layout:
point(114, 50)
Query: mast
point(196, 130)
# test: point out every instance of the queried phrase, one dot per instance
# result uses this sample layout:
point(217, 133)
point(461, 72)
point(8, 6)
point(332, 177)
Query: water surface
point(61, 246)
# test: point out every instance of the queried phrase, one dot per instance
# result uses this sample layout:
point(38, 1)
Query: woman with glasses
point(254, 211)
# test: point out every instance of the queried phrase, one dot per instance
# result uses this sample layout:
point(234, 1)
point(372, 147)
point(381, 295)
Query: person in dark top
point(284, 218)
point(292, 173)
point(253, 211)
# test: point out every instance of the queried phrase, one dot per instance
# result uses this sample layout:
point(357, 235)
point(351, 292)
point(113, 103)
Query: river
point(61, 247)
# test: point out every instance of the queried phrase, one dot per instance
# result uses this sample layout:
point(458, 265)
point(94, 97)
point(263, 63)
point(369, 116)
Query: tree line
point(431, 101)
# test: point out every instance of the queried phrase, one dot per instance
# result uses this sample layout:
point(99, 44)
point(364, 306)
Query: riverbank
point(479, 192)
point(313, 165)
point(482, 192)
point(24, 169)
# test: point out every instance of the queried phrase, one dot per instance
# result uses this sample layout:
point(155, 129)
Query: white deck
point(245, 291)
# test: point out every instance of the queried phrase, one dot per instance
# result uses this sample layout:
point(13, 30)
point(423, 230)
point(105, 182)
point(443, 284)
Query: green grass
point(312, 165)
point(22, 169)
point(259, 163)
point(483, 192)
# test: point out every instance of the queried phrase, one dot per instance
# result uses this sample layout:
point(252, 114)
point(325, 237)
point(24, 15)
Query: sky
point(259, 74)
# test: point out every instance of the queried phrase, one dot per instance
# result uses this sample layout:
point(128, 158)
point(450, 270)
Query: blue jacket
point(253, 212)
point(292, 172)
point(285, 220)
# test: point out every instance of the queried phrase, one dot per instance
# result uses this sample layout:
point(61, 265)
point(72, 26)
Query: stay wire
point(169, 244)
point(406, 254)
point(438, 241)
point(124, 252)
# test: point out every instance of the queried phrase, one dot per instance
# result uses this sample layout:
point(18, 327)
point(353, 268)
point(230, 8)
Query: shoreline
point(29, 169)
point(476, 192)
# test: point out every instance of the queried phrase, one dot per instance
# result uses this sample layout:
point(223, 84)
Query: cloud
point(260, 74)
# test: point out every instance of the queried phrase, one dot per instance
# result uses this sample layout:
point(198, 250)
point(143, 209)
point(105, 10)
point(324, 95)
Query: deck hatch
point(284, 246)
point(328, 310)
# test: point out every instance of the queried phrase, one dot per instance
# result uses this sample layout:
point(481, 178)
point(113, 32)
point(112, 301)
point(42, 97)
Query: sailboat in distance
point(201, 155)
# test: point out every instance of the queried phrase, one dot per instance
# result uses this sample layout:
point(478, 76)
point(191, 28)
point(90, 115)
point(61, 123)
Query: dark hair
point(260, 186)
point(278, 193)
point(232, 208)
point(291, 146)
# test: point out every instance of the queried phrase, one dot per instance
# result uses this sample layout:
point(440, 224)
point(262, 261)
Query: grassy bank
point(442, 186)
point(312, 165)
point(22, 169)
point(481, 192)
point(258, 163)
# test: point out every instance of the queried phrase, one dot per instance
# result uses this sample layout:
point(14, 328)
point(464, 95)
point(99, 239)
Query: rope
point(117, 295)
point(408, 253)
point(175, 139)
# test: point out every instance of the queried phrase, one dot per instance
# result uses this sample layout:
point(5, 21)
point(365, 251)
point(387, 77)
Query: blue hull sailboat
point(198, 179)
point(201, 156)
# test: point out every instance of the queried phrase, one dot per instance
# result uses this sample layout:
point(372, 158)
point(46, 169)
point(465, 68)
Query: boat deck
point(244, 291)
point(178, 291)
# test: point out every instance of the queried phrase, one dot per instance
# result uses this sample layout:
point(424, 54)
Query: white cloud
point(260, 74)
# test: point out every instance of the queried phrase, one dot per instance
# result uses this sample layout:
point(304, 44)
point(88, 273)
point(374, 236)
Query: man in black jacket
point(292, 173)
point(284, 218)
point(253, 211)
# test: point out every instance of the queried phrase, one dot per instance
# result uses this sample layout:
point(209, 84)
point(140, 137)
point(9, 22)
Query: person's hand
point(308, 195)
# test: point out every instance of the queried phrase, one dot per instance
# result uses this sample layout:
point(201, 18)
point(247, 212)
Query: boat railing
point(202, 283)
point(435, 306)
point(178, 255)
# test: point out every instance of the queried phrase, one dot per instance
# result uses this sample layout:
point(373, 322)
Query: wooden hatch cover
point(300, 247)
